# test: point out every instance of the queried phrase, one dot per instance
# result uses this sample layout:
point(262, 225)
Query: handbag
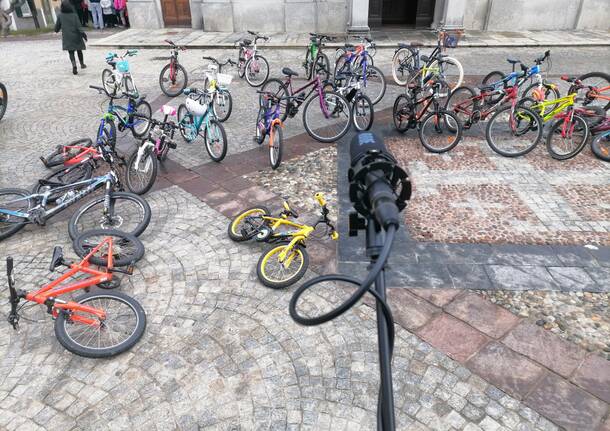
point(84, 36)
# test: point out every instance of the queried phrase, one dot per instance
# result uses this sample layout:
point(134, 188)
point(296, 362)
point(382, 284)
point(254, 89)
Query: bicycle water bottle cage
point(123, 66)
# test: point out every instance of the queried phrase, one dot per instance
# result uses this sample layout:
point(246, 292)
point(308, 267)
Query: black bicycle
point(3, 100)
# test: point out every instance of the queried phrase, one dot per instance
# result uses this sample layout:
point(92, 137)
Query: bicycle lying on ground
point(250, 64)
point(173, 77)
point(100, 323)
point(285, 262)
point(197, 116)
point(326, 116)
point(217, 83)
point(118, 80)
point(3, 100)
point(142, 165)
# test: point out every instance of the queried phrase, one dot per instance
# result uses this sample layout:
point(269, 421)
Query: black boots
point(83, 65)
point(74, 71)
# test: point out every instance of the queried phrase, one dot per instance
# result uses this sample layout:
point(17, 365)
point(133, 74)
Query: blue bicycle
point(269, 122)
point(196, 117)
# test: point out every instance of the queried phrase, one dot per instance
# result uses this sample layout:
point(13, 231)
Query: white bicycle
point(118, 80)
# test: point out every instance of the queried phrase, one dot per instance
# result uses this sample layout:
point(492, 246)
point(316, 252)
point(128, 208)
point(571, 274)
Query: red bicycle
point(70, 154)
point(100, 323)
point(173, 77)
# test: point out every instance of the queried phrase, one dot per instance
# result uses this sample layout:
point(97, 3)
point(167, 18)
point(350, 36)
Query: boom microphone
point(378, 186)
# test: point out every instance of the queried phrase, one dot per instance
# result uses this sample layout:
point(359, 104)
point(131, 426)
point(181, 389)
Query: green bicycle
point(197, 117)
point(316, 62)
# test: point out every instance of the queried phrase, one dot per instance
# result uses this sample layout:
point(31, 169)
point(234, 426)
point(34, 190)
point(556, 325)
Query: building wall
point(518, 15)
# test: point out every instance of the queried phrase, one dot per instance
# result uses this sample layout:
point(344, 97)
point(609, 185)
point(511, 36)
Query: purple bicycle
point(327, 115)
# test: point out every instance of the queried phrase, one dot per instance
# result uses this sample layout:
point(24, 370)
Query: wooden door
point(425, 13)
point(396, 11)
point(176, 13)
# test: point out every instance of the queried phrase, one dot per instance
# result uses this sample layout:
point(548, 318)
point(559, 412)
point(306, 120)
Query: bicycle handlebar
point(258, 35)
point(214, 60)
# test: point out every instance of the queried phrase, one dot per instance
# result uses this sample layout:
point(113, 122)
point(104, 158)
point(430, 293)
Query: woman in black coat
point(72, 37)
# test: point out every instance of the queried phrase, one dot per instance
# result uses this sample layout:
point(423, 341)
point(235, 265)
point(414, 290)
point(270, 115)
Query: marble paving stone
point(594, 376)
point(439, 297)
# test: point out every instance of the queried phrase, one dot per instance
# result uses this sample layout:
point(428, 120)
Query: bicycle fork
point(144, 150)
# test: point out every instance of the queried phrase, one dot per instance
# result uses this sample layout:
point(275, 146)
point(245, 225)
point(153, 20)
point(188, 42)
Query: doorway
point(401, 13)
point(176, 13)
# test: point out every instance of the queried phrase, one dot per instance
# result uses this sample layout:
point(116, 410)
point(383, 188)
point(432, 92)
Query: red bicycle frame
point(84, 153)
point(317, 85)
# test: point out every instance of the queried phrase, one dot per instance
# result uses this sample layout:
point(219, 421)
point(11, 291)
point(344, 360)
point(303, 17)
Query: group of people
point(104, 13)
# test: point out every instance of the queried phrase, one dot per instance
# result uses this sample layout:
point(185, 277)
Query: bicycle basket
point(196, 108)
point(224, 79)
point(451, 38)
point(123, 66)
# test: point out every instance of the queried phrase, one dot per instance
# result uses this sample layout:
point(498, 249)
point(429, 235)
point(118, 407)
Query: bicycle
point(98, 324)
point(439, 130)
point(595, 92)
point(3, 100)
point(119, 210)
point(327, 124)
point(406, 62)
point(142, 165)
point(355, 64)
point(371, 49)
point(136, 117)
point(316, 62)
point(218, 84)
point(118, 80)
point(250, 64)
point(601, 146)
point(287, 260)
point(69, 154)
point(268, 122)
point(363, 112)
point(173, 77)
point(197, 115)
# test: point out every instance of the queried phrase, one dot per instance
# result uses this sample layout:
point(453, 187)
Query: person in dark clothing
point(72, 37)
point(77, 6)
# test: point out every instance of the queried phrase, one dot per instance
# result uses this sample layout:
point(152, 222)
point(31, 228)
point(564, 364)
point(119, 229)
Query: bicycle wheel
point(129, 87)
point(3, 100)
point(321, 67)
point(141, 119)
point(246, 224)
point(461, 103)
point(402, 112)
point(327, 119)
point(188, 130)
point(109, 82)
point(275, 147)
point(215, 139)
point(513, 134)
point(61, 154)
point(601, 146)
point(545, 94)
point(121, 329)
point(223, 105)
point(567, 138)
point(106, 134)
point(172, 86)
point(593, 115)
point(307, 64)
point(403, 64)
point(342, 69)
point(491, 78)
point(278, 275)
point(598, 80)
point(375, 84)
point(140, 176)
point(278, 89)
point(452, 71)
point(261, 131)
point(13, 200)
point(126, 249)
point(436, 134)
point(363, 112)
point(257, 70)
point(63, 176)
point(126, 211)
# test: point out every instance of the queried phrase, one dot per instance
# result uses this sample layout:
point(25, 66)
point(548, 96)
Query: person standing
point(119, 6)
point(76, 5)
point(72, 36)
point(96, 14)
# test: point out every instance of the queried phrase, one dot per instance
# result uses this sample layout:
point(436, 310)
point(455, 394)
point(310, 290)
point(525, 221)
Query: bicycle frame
point(316, 84)
point(510, 93)
point(563, 104)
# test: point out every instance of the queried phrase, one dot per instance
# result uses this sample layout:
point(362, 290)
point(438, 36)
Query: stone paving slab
point(147, 38)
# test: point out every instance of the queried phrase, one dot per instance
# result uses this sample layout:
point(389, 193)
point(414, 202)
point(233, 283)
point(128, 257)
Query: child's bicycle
point(250, 64)
point(218, 84)
point(287, 260)
point(142, 165)
point(119, 80)
point(269, 122)
point(100, 323)
point(316, 62)
point(173, 77)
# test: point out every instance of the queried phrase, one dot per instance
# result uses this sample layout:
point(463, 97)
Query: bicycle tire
point(321, 67)
point(58, 156)
point(264, 61)
point(345, 108)
point(549, 91)
point(232, 229)
point(399, 111)
point(261, 131)
point(217, 157)
point(275, 147)
point(228, 102)
point(277, 88)
point(162, 79)
point(143, 111)
point(362, 108)
point(109, 83)
point(489, 79)
point(552, 149)
point(185, 121)
point(530, 115)
point(140, 226)
point(307, 64)
point(62, 323)
point(458, 97)
point(3, 100)
point(375, 96)
point(72, 174)
point(127, 249)
point(601, 76)
point(399, 65)
point(13, 227)
point(130, 180)
point(458, 65)
point(262, 273)
point(441, 115)
point(600, 146)
point(107, 135)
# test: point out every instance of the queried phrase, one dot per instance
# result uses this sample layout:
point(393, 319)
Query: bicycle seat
point(349, 45)
point(569, 78)
point(511, 61)
point(57, 258)
point(289, 72)
point(245, 42)
point(416, 44)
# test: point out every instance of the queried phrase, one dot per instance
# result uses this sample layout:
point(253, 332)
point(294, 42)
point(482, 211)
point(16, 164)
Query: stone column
point(358, 16)
point(453, 14)
point(217, 15)
point(145, 14)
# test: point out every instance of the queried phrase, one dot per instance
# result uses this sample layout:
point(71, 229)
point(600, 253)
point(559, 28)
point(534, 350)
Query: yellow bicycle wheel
point(246, 224)
point(277, 275)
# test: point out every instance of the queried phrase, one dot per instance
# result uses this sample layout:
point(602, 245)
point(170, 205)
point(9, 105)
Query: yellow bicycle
point(287, 260)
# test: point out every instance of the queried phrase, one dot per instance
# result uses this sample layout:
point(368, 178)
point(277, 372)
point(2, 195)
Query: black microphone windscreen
point(364, 142)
